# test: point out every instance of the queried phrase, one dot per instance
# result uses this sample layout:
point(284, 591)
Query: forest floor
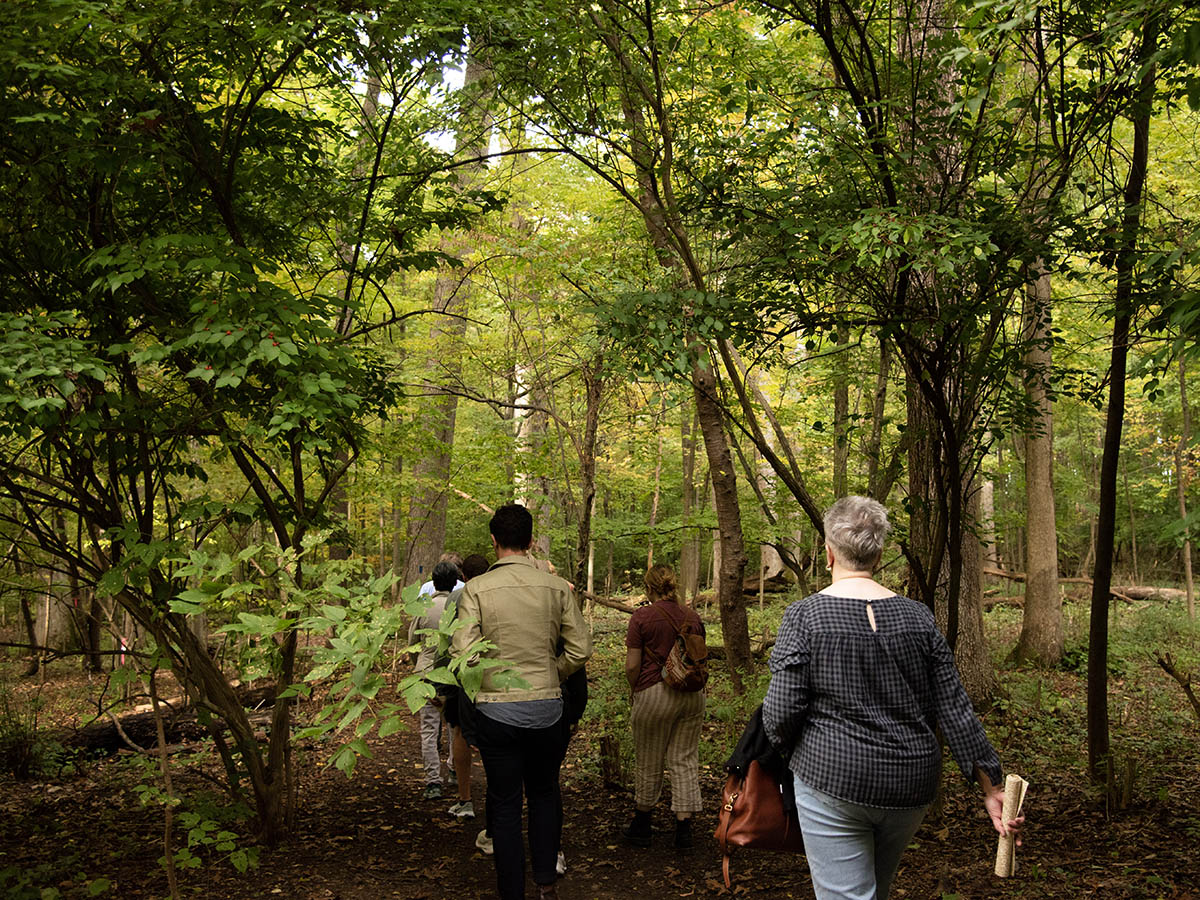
point(86, 833)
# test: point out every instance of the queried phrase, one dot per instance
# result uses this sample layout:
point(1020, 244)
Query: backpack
point(686, 666)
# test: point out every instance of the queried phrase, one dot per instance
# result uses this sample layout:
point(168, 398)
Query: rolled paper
point(1006, 846)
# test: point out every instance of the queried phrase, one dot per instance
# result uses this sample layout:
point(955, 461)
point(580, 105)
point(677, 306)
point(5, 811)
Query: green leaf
point(391, 725)
point(111, 583)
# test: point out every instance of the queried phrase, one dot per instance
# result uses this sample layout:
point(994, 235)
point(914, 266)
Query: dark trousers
point(515, 760)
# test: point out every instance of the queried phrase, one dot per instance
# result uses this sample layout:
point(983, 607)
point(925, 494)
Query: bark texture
point(431, 472)
point(1041, 638)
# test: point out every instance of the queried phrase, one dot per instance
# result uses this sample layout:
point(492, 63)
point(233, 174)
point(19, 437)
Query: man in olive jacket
point(524, 612)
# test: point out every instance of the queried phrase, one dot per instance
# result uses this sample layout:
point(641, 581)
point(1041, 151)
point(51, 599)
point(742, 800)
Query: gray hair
point(855, 529)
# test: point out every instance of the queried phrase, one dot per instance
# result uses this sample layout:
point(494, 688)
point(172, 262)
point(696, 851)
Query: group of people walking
point(861, 683)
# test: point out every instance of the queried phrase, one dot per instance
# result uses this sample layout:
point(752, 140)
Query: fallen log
point(774, 585)
point(609, 602)
point(1017, 601)
point(136, 730)
point(1129, 592)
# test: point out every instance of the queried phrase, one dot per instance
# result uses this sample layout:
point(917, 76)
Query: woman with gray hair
point(861, 679)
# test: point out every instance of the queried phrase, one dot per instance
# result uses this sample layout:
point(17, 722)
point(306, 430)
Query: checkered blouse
point(857, 709)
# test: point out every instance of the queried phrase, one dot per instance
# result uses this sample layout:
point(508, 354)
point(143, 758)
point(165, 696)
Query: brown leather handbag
point(752, 815)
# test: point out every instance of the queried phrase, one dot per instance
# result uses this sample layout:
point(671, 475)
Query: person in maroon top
point(666, 722)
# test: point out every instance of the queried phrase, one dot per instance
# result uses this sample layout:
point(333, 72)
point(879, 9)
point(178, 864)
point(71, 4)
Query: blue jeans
point(853, 850)
point(522, 761)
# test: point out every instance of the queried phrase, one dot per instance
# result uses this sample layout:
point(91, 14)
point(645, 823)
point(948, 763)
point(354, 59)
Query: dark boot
point(638, 830)
point(547, 892)
point(683, 834)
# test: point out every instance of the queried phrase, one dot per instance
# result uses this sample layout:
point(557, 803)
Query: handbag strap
point(670, 621)
point(654, 657)
point(722, 835)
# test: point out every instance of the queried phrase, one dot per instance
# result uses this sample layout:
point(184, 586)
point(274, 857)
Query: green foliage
point(361, 629)
point(206, 826)
point(21, 747)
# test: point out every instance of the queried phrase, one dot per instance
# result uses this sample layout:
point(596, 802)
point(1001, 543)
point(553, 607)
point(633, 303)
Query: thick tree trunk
point(1099, 761)
point(732, 564)
point(339, 509)
point(431, 472)
point(1041, 639)
point(971, 651)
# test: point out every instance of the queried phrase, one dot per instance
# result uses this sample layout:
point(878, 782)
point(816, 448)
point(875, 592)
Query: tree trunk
point(879, 484)
point(971, 651)
point(1133, 547)
point(689, 550)
point(987, 524)
point(651, 152)
point(1181, 483)
point(398, 528)
point(1041, 639)
point(585, 550)
point(1124, 302)
point(658, 458)
point(431, 473)
point(54, 623)
point(950, 553)
point(841, 411)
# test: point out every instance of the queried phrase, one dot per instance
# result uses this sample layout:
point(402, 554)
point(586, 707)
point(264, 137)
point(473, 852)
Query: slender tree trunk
point(952, 556)
point(35, 656)
point(1181, 484)
point(609, 572)
point(1133, 547)
point(1041, 639)
point(397, 527)
point(658, 458)
point(877, 486)
point(593, 387)
point(987, 524)
point(1125, 302)
point(841, 411)
point(689, 550)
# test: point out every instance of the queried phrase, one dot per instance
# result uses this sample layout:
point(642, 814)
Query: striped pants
point(666, 730)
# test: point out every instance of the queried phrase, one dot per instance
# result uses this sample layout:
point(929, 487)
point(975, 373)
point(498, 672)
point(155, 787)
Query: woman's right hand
point(993, 802)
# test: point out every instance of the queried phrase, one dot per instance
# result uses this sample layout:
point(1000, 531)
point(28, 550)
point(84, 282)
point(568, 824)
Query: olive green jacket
point(524, 612)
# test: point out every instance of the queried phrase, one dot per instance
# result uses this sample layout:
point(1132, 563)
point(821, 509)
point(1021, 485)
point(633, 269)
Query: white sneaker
point(484, 843)
point(464, 809)
point(561, 866)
